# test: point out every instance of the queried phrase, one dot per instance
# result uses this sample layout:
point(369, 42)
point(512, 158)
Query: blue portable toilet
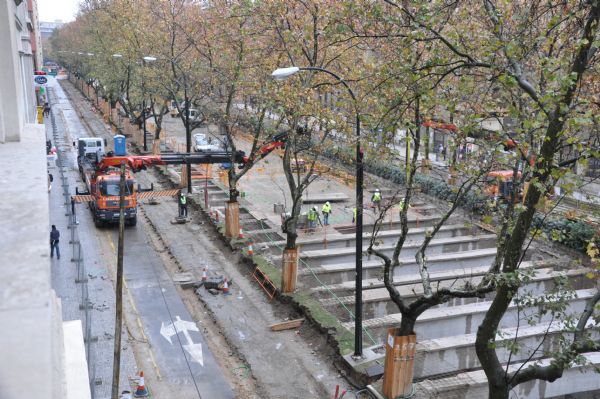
point(120, 147)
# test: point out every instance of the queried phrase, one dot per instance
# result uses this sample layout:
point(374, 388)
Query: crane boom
point(141, 162)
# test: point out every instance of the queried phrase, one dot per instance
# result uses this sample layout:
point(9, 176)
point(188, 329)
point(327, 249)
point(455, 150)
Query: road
point(169, 346)
point(258, 363)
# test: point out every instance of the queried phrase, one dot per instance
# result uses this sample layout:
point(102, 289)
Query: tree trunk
point(407, 325)
point(291, 237)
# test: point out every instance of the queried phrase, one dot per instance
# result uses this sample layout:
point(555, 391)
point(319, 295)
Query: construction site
point(255, 337)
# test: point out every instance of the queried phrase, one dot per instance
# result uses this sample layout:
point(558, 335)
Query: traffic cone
point(204, 276)
point(141, 391)
point(226, 288)
point(250, 250)
point(241, 233)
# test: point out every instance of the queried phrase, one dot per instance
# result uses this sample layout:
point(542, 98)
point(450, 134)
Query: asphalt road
point(175, 348)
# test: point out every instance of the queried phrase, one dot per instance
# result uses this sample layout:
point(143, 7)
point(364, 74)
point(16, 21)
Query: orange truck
point(102, 184)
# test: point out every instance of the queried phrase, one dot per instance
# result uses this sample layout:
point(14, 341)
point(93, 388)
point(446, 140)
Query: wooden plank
point(286, 325)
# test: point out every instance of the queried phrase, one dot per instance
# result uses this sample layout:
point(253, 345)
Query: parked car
point(203, 144)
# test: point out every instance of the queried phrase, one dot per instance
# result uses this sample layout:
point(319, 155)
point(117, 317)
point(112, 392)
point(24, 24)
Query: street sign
point(40, 79)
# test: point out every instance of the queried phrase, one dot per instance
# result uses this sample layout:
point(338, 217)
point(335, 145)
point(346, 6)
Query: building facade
point(33, 334)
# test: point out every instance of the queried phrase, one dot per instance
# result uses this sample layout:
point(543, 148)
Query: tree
point(539, 54)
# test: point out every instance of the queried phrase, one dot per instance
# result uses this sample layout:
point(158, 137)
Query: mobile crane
point(101, 175)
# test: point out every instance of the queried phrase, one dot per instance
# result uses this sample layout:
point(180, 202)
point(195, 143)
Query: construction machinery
point(100, 172)
point(499, 185)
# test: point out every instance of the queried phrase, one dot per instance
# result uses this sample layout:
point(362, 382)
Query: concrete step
point(347, 287)
point(473, 384)
point(372, 266)
point(437, 246)
point(377, 302)
point(413, 221)
point(337, 240)
point(450, 355)
point(458, 320)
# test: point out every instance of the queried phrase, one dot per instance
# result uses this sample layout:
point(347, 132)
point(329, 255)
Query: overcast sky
point(50, 10)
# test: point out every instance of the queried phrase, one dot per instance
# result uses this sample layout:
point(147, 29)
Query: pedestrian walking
point(182, 204)
point(54, 239)
point(376, 199)
point(46, 109)
point(444, 153)
point(326, 212)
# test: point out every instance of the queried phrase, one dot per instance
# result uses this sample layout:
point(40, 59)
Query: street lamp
point(284, 73)
point(146, 59)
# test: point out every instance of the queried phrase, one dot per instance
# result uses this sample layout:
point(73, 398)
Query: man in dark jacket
point(54, 238)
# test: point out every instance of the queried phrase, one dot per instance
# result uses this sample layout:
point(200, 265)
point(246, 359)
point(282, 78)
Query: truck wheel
point(99, 223)
point(132, 222)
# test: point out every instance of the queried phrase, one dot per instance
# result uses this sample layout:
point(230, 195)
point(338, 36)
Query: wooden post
point(425, 166)
point(452, 177)
point(183, 180)
point(399, 364)
point(232, 219)
point(289, 270)
point(156, 147)
point(119, 288)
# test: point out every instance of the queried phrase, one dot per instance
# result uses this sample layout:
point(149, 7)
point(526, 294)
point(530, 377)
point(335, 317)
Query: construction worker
point(354, 212)
point(326, 212)
point(376, 199)
point(401, 205)
point(313, 216)
point(182, 204)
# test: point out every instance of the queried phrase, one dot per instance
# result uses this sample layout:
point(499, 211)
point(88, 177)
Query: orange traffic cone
point(241, 233)
point(250, 250)
point(204, 276)
point(141, 391)
point(226, 288)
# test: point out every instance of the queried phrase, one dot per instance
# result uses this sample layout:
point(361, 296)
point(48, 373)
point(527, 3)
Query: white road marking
point(183, 326)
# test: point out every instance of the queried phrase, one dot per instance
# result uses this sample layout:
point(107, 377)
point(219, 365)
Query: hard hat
point(376, 190)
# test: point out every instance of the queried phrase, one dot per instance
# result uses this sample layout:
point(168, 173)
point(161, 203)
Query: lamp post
point(284, 73)
point(146, 59)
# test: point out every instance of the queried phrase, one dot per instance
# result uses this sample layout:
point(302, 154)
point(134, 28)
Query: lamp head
point(284, 73)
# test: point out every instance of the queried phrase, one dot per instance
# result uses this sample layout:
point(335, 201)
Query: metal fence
point(81, 279)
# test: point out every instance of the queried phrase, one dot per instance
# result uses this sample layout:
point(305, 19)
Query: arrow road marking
point(183, 326)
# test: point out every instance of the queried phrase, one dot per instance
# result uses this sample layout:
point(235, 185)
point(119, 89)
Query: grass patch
point(327, 321)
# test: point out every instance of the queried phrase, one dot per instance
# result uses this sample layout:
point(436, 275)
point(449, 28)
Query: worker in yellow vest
point(326, 212)
point(376, 199)
point(182, 204)
point(354, 212)
point(401, 205)
point(313, 216)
